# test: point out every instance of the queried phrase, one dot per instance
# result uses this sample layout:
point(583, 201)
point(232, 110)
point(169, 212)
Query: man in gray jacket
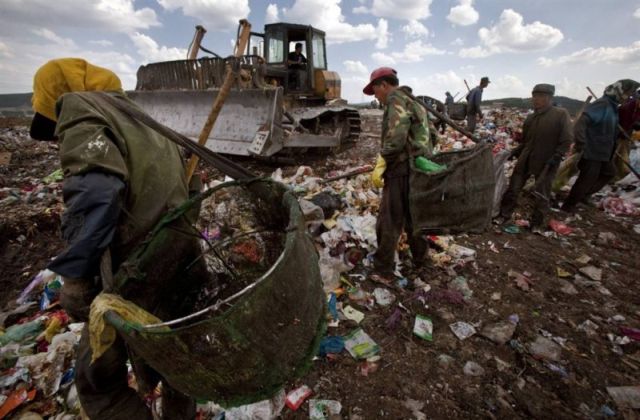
point(547, 135)
point(474, 98)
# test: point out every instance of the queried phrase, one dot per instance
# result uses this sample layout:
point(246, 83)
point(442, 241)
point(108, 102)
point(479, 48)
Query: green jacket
point(405, 130)
point(96, 137)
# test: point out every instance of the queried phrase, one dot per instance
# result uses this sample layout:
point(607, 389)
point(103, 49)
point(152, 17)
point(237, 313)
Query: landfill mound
point(504, 324)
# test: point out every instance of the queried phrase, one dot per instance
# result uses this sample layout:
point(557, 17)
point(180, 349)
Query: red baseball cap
point(375, 75)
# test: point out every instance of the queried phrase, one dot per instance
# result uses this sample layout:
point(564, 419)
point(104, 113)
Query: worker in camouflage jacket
point(120, 178)
point(405, 134)
point(547, 135)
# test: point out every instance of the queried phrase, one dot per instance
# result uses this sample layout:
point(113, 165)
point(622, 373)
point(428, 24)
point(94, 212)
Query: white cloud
point(53, 37)
point(383, 34)
point(590, 55)
point(112, 15)
point(361, 10)
point(272, 14)
point(508, 86)
point(401, 9)
point(5, 51)
point(216, 15)
point(413, 52)
point(463, 14)
point(356, 68)
point(415, 29)
point(327, 15)
point(16, 75)
point(636, 14)
point(457, 42)
point(510, 34)
point(150, 51)
point(383, 59)
point(102, 43)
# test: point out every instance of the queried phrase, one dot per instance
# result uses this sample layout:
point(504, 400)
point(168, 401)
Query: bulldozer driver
point(297, 64)
point(120, 177)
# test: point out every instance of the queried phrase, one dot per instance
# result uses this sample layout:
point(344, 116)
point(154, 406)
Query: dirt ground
point(413, 378)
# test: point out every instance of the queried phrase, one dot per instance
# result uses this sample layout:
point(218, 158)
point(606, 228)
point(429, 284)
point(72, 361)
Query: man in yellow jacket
point(121, 177)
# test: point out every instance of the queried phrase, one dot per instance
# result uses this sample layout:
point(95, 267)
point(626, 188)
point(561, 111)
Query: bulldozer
point(272, 108)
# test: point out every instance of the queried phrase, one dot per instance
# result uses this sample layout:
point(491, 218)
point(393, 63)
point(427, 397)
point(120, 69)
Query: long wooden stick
point(451, 123)
point(241, 45)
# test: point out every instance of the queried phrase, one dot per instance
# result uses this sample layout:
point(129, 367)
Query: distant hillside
point(572, 105)
point(15, 105)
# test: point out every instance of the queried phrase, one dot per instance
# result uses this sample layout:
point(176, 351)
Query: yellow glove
point(636, 135)
point(376, 175)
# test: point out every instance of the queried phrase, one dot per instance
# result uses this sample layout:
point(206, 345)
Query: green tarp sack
point(246, 349)
point(456, 200)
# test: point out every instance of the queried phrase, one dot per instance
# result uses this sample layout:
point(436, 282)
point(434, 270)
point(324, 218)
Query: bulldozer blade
point(250, 123)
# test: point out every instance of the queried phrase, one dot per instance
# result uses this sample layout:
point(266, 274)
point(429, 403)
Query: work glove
point(378, 171)
point(76, 297)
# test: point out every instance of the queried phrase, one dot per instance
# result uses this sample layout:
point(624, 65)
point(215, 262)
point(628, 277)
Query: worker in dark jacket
point(120, 178)
point(595, 134)
point(405, 133)
point(474, 99)
point(547, 135)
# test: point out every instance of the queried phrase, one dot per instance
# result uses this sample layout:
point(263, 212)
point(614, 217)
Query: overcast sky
point(433, 44)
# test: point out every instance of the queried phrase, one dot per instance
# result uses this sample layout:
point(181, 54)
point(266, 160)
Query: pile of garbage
point(37, 354)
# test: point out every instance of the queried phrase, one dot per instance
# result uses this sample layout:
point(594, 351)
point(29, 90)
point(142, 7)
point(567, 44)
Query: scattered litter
point(415, 406)
point(617, 206)
point(512, 229)
point(353, 314)
point(501, 365)
point(324, 409)
point(462, 330)
point(445, 360)
point(557, 369)
point(521, 280)
point(589, 327)
point(543, 348)
point(592, 272)
point(473, 369)
point(331, 344)
point(423, 328)
point(460, 284)
point(567, 287)
point(633, 333)
point(383, 296)
point(583, 259)
point(369, 366)
point(296, 397)
point(360, 345)
point(625, 396)
point(559, 227)
point(562, 273)
point(15, 399)
point(261, 410)
point(499, 332)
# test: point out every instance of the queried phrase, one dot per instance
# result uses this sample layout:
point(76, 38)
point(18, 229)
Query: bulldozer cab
point(284, 68)
point(272, 106)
